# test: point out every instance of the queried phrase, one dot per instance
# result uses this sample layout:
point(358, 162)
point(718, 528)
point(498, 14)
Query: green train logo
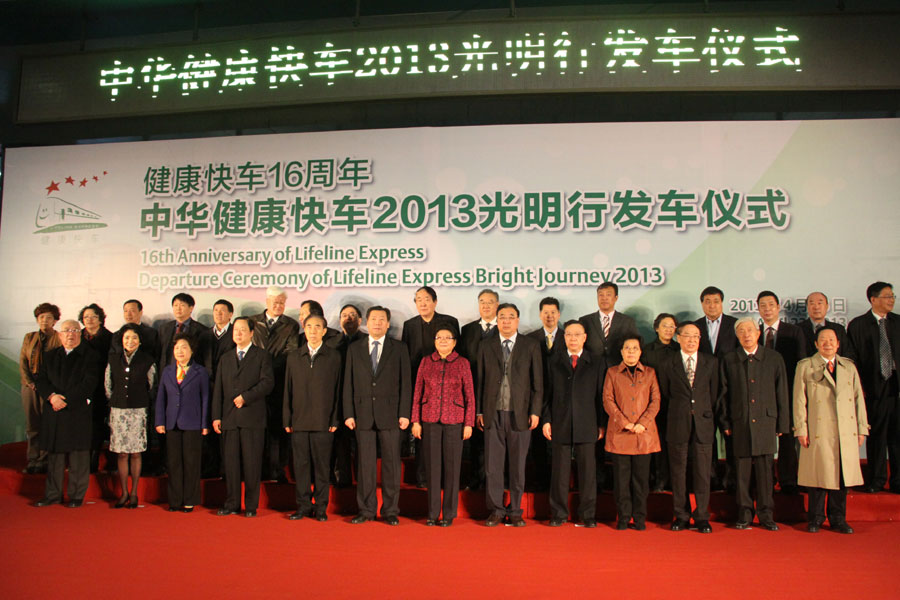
point(55, 214)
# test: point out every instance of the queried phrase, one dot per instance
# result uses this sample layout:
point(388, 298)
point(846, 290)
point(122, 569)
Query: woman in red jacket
point(443, 414)
point(631, 399)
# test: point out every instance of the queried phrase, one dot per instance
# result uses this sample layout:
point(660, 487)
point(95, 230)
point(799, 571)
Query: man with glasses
point(875, 346)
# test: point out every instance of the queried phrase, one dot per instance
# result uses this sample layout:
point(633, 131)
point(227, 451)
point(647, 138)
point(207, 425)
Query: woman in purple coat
point(443, 414)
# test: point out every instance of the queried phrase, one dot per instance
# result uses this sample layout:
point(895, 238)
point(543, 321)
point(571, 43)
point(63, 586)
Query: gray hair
point(273, 291)
point(738, 323)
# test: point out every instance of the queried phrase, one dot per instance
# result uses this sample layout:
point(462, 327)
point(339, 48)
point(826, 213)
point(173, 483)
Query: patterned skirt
point(128, 430)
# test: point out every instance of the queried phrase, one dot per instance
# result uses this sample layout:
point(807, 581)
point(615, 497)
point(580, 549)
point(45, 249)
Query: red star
point(96, 178)
point(82, 183)
point(70, 181)
point(53, 187)
point(105, 172)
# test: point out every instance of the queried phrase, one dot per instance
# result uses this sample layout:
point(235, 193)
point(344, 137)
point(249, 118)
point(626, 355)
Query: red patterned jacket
point(444, 391)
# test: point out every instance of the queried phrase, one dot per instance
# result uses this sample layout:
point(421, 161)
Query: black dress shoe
point(133, 502)
point(30, 470)
point(769, 525)
point(431, 522)
point(516, 522)
point(813, 527)
point(842, 528)
point(421, 485)
point(704, 527)
point(187, 509)
point(445, 522)
point(74, 503)
point(360, 518)
point(493, 520)
point(742, 525)
point(223, 512)
point(679, 525)
point(45, 502)
point(640, 526)
point(589, 523)
point(622, 525)
point(296, 516)
point(250, 514)
point(174, 508)
point(556, 522)
point(392, 520)
point(121, 503)
point(871, 489)
point(321, 517)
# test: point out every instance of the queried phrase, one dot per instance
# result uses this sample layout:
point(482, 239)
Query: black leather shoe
point(516, 522)
point(556, 522)
point(30, 470)
point(493, 520)
point(704, 527)
point(421, 485)
point(321, 517)
point(74, 503)
point(296, 516)
point(392, 520)
point(640, 526)
point(679, 525)
point(250, 514)
point(589, 523)
point(431, 522)
point(121, 503)
point(45, 502)
point(742, 525)
point(842, 528)
point(813, 527)
point(187, 509)
point(445, 522)
point(223, 512)
point(871, 489)
point(622, 525)
point(133, 502)
point(769, 525)
point(174, 508)
point(360, 518)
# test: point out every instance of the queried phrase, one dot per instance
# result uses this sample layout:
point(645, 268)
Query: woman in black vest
point(130, 377)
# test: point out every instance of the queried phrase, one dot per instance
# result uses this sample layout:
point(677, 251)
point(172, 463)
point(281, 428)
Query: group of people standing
point(586, 389)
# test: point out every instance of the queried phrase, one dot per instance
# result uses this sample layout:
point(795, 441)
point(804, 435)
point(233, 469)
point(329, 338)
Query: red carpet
point(97, 552)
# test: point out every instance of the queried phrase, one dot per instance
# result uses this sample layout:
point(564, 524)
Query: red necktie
point(574, 360)
point(831, 367)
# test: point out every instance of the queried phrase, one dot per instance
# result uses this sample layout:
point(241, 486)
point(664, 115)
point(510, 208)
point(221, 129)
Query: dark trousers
point(659, 465)
point(788, 461)
point(367, 477)
point(761, 468)
point(183, 451)
point(837, 505)
point(311, 450)
point(79, 474)
point(499, 440)
point(243, 447)
point(560, 474)
point(277, 441)
point(884, 436)
point(700, 460)
point(31, 406)
point(473, 448)
point(631, 484)
point(539, 457)
point(341, 456)
point(442, 447)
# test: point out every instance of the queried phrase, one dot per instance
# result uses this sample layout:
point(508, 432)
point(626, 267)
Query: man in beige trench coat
point(830, 423)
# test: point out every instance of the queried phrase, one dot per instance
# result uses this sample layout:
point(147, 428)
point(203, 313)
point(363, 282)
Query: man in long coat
point(830, 423)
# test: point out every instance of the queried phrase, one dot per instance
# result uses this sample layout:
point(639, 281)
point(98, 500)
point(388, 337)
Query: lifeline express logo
point(55, 214)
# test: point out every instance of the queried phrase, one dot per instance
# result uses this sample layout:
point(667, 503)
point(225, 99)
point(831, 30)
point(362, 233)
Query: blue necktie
point(241, 355)
point(507, 350)
point(374, 356)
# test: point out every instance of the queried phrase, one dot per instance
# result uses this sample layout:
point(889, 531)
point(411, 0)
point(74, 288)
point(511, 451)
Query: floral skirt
point(128, 430)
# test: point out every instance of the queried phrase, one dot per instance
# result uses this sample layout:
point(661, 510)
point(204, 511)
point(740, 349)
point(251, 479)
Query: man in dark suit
point(243, 380)
point(757, 409)
point(689, 379)
point(377, 404)
point(351, 319)
point(717, 338)
point(551, 339)
point(277, 334)
point(311, 388)
point(418, 335)
point(132, 312)
point(606, 329)
point(574, 420)
point(333, 337)
point(470, 338)
point(786, 339)
point(221, 341)
point(182, 308)
point(66, 380)
point(511, 389)
point(875, 347)
point(817, 308)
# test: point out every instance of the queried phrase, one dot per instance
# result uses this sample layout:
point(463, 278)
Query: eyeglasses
point(70, 330)
point(444, 339)
point(891, 297)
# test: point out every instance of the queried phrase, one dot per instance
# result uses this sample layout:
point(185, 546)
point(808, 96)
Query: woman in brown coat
point(631, 398)
point(34, 346)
